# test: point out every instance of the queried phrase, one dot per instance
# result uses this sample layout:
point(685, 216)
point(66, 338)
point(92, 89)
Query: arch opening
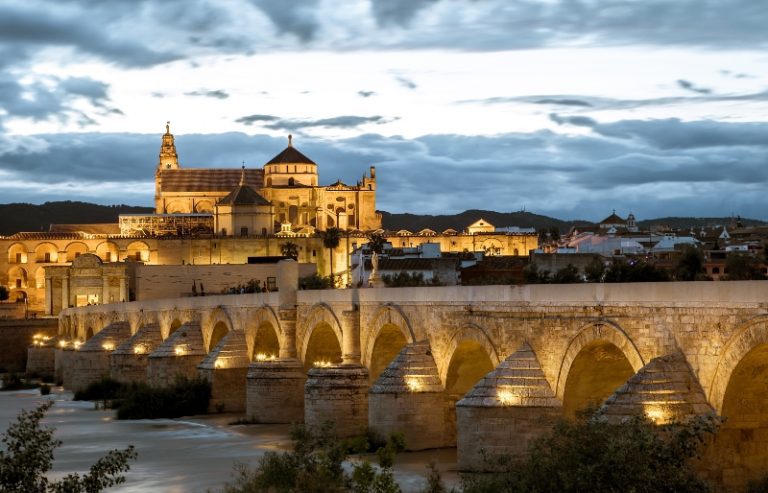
point(173, 327)
point(469, 363)
point(323, 347)
point(218, 333)
point(266, 345)
point(597, 371)
point(388, 344)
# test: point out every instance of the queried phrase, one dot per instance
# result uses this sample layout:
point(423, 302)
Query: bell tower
point(168, 157)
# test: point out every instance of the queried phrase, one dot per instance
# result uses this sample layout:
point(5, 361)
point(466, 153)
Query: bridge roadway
point(513, 357)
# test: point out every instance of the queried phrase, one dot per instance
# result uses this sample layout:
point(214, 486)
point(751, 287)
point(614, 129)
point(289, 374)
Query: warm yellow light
point(657, 414)
point(219, 364)
point(507, 397)
point(78, 344)
point(63, 344)
point(108, 346)
point(265, 357)
point(322, 364)
point(139, 349)
point(179, 350)
point(413, 383)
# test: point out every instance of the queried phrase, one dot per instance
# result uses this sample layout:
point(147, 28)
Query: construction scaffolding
point(165, 224)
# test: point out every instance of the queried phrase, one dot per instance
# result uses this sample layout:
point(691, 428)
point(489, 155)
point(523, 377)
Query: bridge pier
point(275, 391)
point(90, 362)
point(409, 398)
point(178, 356)
point(505, 411)
point(225, 368)
point(337, 394)
point(128, 363)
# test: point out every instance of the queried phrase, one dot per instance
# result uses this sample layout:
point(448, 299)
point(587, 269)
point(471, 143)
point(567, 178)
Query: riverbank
point(178, 455)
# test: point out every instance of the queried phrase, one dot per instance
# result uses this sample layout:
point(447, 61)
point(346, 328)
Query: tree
point(28, 456)
point(290, 249)
point(331, 240)
point(596, 456)
point(567, 275)
point(3, 293)
point(376, 242)
point(634, 271)
point(742, 267)
point(595, 270)
point(533, 275)
point(690, 266)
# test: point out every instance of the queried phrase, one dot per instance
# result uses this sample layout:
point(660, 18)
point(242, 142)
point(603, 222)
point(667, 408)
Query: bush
point(13, 381)
point(105, 389)
point(595, 456)
point(316, 281)
point(28, 456)
point(186, 396)
point(315, 466)
point(45, 389)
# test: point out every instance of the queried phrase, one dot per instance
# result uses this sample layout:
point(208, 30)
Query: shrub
point(13, 381)
point(28, 456)
point(315, 466)
point(186, 396)
point(45, 389)
point(105, 389)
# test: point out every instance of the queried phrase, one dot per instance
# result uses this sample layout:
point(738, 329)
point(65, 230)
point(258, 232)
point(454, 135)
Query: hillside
point(30, 217)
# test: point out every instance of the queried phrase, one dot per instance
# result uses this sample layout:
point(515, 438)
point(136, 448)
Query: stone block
point(338, 395)
point(275, 391)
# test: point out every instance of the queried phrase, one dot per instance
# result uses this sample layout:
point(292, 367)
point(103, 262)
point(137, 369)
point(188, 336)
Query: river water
point(178, 455)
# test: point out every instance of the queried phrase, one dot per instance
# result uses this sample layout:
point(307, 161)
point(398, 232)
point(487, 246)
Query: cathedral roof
point(208, 180)
point(290, 155)
point(244, 195)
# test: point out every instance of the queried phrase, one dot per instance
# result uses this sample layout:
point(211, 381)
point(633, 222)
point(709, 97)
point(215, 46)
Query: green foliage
point(376, 242)
point(186, 396)
point(315, 466)
point(28, 456)
point(4, 294)
point(595, 270)
point(634, 270)
point(742, 267)
point(690, 265)
point(13, 381)
point(100, 390)
point(316, 281)
point(404, 279)
point(567, 275)
point(533, 275)
point(592, 455)
point(290, 249)
point(434, 480)
point(252, 286)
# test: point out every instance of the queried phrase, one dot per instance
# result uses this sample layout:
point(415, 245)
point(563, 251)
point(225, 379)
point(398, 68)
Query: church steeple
point(168, 157)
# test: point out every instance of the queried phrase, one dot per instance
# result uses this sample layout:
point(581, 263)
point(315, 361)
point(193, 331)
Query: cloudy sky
point(568, 108)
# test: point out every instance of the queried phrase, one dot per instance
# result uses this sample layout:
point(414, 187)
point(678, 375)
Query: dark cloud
point(405, 82)
point(579, 121)
point(217, 94)
point(397, 12)
point(251, 119)
point(652, 167)
point(366, 94)
point(564, 102)
point(298, 18)
point(689, 86)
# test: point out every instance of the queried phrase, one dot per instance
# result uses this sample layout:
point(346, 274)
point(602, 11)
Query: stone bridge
point(488, 367)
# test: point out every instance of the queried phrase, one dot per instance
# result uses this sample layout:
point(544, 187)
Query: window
point(137, 256)
point(314, 253)
point(291, 182)
point(715, 270)
point(243, 231)
point(18, 283)
point(272, 284)
point(18, 258)
point(47, 256)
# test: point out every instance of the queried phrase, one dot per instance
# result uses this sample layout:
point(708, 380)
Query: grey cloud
point(366, 94)
point(689, 86)
point(217, 94)
point(579, 121)
point(563, 102)
point(298, 18)
point(251, 119)
point(405, 82)
point(276, 123)
point(397, 12)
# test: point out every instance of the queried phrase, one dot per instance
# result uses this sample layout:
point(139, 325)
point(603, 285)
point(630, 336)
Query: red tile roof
point(209, 180)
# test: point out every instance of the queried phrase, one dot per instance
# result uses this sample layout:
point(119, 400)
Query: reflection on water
point(176, 456)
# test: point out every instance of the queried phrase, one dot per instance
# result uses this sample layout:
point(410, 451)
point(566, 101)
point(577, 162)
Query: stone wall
point(16, 336)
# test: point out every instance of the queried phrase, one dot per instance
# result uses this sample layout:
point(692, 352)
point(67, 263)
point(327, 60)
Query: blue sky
point(569, 108)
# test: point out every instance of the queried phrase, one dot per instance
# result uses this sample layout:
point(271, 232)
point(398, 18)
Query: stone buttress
point(507, 409)
point(128, 363)
point(90, 362)
point(408, 397)
point(225, 368)
point(178, 356)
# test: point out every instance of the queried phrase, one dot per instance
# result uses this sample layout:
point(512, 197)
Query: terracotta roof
point(290, 155)
point(209, 180)
point(94, 229)
point(613, 219)
point(46, 236)
point(401, 264)
point(244, 195)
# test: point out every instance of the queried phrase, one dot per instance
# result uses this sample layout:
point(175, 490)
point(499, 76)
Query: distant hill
point(415, 223)
point(680, 223)
point(30, 217)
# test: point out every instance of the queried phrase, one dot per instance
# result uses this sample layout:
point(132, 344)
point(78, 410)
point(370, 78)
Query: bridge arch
point(263, 333)
point(597, 361)
point(322, 336)
point(467, 346)
point(389, 332)
point(170, 324)
point(749, 336)
point(218, 325)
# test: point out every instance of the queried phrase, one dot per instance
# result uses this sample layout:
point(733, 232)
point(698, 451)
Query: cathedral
point(282, 196)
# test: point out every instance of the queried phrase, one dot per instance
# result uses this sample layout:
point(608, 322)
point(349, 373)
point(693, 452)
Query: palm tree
point(331, 239)
point(376, 242)
point(290, 249)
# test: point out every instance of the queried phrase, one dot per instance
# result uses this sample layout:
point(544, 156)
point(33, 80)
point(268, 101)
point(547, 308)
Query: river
point(178, 455)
